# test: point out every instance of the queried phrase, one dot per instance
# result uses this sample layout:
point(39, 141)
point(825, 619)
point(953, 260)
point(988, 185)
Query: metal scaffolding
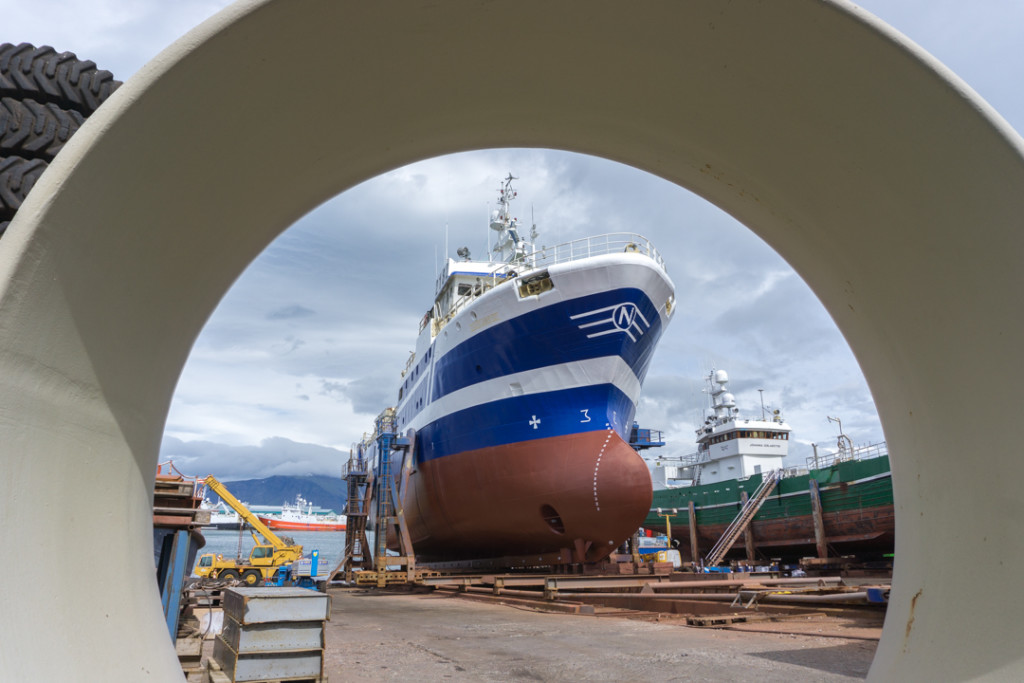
point(382, 491)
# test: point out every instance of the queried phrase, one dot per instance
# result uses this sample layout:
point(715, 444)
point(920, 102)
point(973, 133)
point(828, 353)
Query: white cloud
point(273, 456)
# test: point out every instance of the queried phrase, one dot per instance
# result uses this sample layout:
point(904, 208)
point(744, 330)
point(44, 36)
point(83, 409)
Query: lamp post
point(667, 514)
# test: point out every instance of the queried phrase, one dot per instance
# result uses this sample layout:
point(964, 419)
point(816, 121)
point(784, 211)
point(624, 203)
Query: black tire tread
point(17, 176)
point(34, 130)
point(45, 75)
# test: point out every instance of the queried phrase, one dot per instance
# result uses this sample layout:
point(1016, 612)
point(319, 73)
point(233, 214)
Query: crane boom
point(266, 561)
point(252, 520)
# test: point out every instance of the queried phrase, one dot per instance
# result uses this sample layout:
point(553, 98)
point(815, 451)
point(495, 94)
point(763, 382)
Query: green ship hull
point(857, 515)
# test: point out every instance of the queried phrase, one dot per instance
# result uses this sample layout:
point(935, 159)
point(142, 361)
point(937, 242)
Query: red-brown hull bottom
point(580, 495)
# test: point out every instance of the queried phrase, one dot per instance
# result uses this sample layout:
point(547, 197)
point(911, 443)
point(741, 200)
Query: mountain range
point(318, 489)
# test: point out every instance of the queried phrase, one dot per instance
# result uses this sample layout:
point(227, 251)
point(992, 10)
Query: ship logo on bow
point(625, 318)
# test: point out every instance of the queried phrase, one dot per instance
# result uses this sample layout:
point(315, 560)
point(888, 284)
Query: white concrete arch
point(884, 181)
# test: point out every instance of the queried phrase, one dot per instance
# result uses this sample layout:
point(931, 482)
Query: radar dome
point(721, 376)
point(728, 399)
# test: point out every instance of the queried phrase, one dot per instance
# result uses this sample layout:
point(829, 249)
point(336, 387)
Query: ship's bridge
point(460, 282)
point(741, 448)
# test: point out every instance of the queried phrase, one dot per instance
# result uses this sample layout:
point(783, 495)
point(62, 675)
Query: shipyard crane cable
point(45, 97)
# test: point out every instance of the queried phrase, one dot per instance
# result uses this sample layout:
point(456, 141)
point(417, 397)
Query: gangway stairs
point(743, 519)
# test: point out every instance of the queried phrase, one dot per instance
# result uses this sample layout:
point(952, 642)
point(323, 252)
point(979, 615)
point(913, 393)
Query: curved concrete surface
point(891, 189)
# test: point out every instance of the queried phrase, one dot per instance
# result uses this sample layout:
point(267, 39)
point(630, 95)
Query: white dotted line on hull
point(597, 503)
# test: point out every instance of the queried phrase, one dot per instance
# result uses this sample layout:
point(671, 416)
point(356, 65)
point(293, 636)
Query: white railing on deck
point(874, 450)
point(610, 243)
point(693, 461)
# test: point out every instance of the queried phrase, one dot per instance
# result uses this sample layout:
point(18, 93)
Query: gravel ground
point(440, 637)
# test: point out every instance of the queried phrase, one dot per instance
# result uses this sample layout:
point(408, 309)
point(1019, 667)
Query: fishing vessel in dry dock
point(840, 503)
point(521, 393)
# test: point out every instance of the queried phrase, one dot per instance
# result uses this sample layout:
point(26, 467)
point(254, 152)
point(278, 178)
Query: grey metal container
point(262, 666)
point(273, 637)
point(275, 604)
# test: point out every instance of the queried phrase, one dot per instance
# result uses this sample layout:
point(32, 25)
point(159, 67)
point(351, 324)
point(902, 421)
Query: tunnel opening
point(813, 204)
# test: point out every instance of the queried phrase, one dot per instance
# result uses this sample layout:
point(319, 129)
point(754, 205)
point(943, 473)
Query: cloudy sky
point(307, 346)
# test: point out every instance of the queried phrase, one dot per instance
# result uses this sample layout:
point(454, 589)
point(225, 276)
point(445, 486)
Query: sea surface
point(331, 544)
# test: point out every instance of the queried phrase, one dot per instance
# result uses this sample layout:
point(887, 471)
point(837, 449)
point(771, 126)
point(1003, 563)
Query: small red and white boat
point(300, 517)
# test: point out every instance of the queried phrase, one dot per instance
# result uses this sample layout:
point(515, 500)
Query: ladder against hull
point(743, 518)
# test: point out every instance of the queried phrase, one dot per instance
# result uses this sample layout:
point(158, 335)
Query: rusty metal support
point(694, 545)
point(820, 541)
point(359, 482)
point(748, 534)
point(398, 500)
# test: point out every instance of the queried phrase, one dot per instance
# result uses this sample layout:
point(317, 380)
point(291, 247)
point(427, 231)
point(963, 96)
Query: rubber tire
point(33, 130)
point(251, 577)
point(45, 96)
point(45, 75)
point(17, 176)
point(228, 574)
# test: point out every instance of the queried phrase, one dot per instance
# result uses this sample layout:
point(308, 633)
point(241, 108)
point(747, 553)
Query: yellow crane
point(266, 558)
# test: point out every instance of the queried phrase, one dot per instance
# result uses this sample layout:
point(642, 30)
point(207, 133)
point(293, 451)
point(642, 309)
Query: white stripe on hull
point(608, 370)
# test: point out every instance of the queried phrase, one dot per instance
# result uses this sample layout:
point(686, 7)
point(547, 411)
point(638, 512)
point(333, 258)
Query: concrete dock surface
point(444, 637)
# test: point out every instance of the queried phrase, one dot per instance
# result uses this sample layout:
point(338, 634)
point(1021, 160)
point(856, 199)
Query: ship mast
point(511, 247)
point(722, 402)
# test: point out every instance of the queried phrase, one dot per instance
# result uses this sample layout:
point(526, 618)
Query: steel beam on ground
point(553, 584)
point(515, 580)
point(720, 583)
point(451, 581)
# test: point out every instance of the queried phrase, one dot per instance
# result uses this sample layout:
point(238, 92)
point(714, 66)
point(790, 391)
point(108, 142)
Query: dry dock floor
point(374, 636)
